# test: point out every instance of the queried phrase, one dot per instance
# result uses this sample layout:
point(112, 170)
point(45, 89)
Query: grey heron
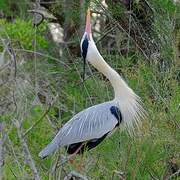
point(89, 127)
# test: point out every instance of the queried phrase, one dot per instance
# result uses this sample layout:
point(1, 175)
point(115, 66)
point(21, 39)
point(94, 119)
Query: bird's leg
point(81, 165)
point(71, 160)
point(78, 149)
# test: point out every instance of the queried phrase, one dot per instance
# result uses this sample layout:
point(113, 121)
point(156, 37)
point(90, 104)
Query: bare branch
point(38, 121)
point(44, 13)
point(105, 34)
point(76, 175)
point(122, 29)
point(176, 174)
point(41, 118)
point(43, 55)
point(13, 57)
point(28, 156)
point(2, 152)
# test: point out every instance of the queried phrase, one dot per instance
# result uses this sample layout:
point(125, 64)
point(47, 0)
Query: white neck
point(121, 89)
point(128, 101)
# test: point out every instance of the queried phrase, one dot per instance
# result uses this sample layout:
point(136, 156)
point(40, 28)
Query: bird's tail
point(48, 149)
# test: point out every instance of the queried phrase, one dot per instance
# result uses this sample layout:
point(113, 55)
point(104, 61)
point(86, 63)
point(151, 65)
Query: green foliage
point(117, 10)
point(12, 8)
point(22, 34)
point(166, 6)
point(143, 156)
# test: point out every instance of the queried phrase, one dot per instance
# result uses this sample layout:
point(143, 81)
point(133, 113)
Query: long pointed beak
point(88, 22)
point(88, 31)
point(84, 69)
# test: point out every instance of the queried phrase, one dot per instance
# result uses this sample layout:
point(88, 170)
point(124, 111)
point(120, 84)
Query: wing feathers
point(89, 124)
point(48, 149)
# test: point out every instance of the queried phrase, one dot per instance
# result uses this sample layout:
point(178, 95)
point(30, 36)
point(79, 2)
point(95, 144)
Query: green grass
point(144, 156)
point(139, 157)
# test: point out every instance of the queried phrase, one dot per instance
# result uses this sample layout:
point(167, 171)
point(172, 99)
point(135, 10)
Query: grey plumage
point(89, 124)
point(94, 122)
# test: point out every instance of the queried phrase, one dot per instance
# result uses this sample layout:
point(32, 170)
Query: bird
point(88, 128)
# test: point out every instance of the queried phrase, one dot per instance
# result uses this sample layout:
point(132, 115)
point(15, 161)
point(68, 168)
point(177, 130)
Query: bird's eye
point(84, 48)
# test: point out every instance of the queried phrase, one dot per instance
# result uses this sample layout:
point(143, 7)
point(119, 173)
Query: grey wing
point(91, 123)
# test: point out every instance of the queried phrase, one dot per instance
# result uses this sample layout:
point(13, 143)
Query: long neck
point(128, 102)
point(121, 89)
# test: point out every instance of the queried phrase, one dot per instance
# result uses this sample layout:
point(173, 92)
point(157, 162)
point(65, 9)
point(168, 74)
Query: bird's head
point(88, 47)
point(87, 36)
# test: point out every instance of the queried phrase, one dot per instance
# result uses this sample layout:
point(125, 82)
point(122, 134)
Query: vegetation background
point(41, 86)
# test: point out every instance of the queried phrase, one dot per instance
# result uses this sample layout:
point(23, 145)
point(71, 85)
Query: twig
point(176, 174)
point(107, 32)
point(38, 121)
point(41, 118)
point(24, 145)
point(129, 31)
point(38, 18)
point(120, 174)
point(11, 149)
point(75, 174)
point(2, 152)
point(55, 165)
point(28, 156)
point(152, 174)
point(4, 66)
point(13, 56)
point(13, 172)
point(43, 55)
point(43, 13)
point(98, 12)
point(121, 28)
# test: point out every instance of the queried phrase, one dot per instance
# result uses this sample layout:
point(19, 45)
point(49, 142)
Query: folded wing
point(93, 122)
